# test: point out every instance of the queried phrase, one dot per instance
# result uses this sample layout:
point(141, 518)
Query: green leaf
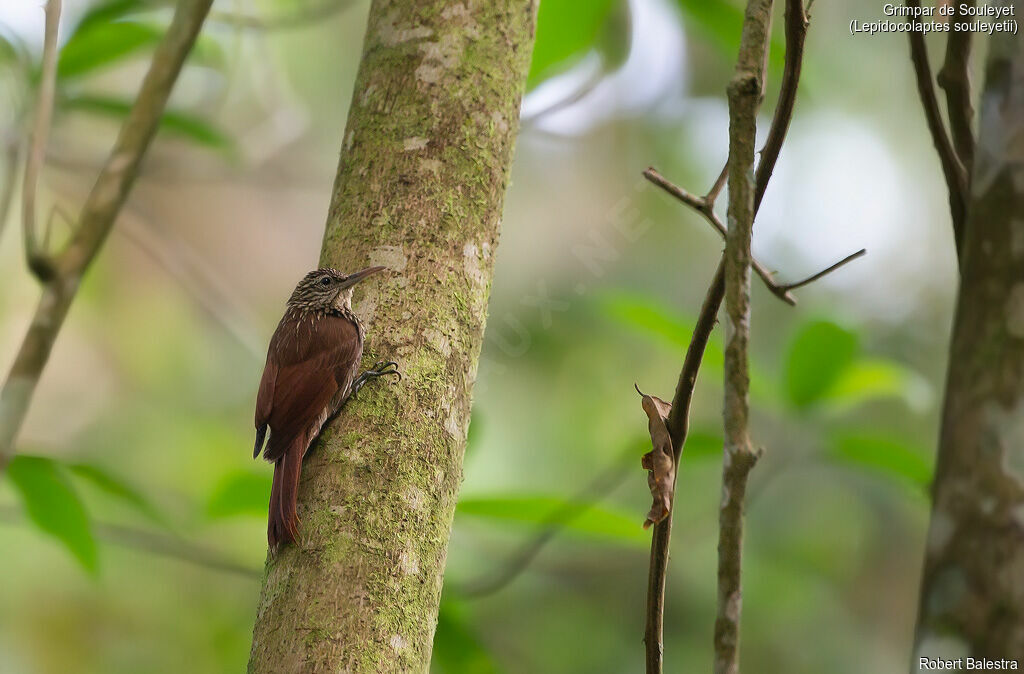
point(53, 505)
point(650, 317)
point(817, 357)
point(111, 11)
point(240, 493)
point(647, 316)
point(175, 122)
point(655, 319)
point(114, 486)
point(566, 30)
point(721, 21)
point(580, 518)
point(873, 379)
point(103, 44)
point(881, 454)
point(457, 648)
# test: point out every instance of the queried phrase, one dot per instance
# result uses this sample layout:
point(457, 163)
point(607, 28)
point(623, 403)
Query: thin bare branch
point(601, 486)
point(727, 630)
point(197, 278)
point(827, 270)
point(96, 219)
point(173, 547)
point(706, 208)
point(955, 80)
point(796, 33)
point(699, 204)
point(155, 543)
point(678, 427)
point(36, 256)
point(739, 457)
point(952, 169)
point(716, 189)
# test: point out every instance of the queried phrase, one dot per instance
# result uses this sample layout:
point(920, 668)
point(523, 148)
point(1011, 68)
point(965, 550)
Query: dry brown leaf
point(661, 478)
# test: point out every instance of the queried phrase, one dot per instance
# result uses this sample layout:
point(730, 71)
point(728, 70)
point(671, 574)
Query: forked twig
point(678, 421)
point(955, 80)
point(952, 168)
point(796, 33)
point(705, 206)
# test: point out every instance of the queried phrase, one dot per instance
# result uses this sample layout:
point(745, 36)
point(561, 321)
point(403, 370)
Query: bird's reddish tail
point(283, 522)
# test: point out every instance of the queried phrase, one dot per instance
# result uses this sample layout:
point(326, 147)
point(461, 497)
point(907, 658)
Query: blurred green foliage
point(721, 21)
point(457, 649)
point(117, 489)
point(817, 357)
point(565, 30)
point(185, 125)
point(108, 35)
point(885, 455)
point(240, 493)
point(103, 44)
point(589, 519)
point(53, 505)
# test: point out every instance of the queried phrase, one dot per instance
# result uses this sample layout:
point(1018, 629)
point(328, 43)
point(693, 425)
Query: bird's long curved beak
point(360, 275)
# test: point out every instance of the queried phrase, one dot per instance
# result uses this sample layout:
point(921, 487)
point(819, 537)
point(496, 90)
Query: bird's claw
point(381, 368)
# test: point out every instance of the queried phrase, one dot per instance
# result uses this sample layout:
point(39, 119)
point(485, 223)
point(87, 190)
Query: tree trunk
point(424, 165)
point(972, 594)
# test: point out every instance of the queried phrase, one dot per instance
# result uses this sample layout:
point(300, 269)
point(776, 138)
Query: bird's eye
point(325, 281)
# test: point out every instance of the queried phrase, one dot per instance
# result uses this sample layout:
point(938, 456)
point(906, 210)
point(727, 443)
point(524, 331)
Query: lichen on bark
point(423, 171)
point(972, 593)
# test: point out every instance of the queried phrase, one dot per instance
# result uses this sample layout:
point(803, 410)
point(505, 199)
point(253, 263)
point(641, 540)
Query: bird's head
point(326, 289)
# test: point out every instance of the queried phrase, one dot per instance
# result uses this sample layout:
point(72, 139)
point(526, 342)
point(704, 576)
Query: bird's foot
point(381, 368)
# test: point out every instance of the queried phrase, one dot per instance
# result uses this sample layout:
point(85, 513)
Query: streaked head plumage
point(325, 290)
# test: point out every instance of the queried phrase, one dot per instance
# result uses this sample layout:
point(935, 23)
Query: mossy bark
point(972, 594)
point(424, 166)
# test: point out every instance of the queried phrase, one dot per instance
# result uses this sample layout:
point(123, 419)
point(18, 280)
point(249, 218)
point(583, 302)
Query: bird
point(310, 373)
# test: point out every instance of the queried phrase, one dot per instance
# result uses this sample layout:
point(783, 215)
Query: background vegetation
point(133, 519)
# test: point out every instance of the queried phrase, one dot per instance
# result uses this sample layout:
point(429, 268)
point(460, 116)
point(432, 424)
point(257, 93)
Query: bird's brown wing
point(310, 362)
point(265, 400)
